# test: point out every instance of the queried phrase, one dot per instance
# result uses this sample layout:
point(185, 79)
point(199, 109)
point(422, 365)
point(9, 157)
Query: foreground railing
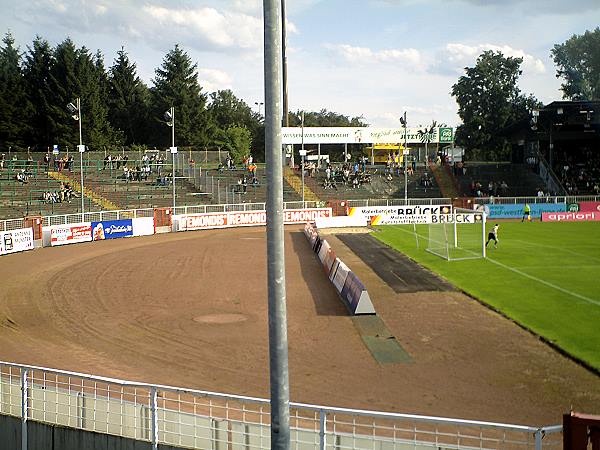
point(209, 420)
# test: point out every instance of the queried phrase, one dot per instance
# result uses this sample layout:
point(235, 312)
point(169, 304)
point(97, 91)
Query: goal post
point(458, 235)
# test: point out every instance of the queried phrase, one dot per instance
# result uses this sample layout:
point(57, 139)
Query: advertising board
point(191, 222)
point(355, 296)
point(410, 214)
point(338, 277)
point(589, 206)
point(571, 216)
point(143, 226)
point(112, 229)
point(341, 221)
point(70, 234)
point(515, 211)
point(426, 219)
point(16, 240)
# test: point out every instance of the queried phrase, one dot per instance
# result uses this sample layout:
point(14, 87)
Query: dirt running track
point(190, 310)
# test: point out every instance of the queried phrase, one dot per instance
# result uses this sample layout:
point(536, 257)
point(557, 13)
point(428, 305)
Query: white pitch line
point(531, 277)
point(561, 249)
point(558, 288)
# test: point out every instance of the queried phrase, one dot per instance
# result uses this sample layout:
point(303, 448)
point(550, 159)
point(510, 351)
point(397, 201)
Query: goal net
point(458, 235)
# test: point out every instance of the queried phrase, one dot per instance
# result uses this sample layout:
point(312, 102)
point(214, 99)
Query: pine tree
point(77, 74)
point(15, 109)
point(64, 87)
point(38, 63)
point(128, 100)
point(176, 85)
point(94, 85)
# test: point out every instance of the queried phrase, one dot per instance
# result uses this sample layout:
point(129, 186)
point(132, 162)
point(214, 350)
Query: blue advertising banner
point(515, 211)
point(112, 229)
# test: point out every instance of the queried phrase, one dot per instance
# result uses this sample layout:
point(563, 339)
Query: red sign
point(589, 206)
point(70, 234)
point(571, 216)
point(247, 218)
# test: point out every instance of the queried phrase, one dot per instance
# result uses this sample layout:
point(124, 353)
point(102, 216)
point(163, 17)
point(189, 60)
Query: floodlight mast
point(278, 345)
point(75, 110)
point(170, 118)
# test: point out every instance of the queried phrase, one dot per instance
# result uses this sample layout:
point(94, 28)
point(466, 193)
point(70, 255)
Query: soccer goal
point(458, 235)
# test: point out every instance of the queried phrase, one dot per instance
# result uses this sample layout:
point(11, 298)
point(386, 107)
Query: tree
point(15, 108)
point(237, 141)
point(226, 110)
point(176, 85)
point(578, 64)
point(488, 99)
point(128, 99)
point(36, 71)
point(94, 86)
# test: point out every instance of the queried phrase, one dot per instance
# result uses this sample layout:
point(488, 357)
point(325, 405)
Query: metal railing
point(91, 216)
point(210, 420)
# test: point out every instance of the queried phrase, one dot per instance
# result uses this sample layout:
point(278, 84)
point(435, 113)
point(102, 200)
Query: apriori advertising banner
point(112, 229)
point(571, 216)
point(16, 240)
point(71, 233)
point(191, 222)
point(515, 211)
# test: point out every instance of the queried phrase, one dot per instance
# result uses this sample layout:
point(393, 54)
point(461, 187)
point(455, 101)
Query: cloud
point(213, 80)
point(226, 26)
point(540, 7)
point(410, 57)
point(456, 56)
point(219, 29)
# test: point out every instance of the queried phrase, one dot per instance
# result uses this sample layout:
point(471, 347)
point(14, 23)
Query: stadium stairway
point(295, 181)
point(99, 200)
point(445, 180)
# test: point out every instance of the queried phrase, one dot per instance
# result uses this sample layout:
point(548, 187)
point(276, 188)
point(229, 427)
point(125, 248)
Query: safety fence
point(209, 420)
point(11, 224)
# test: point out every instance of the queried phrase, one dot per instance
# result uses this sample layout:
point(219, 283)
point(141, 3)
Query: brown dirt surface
point(190, 310)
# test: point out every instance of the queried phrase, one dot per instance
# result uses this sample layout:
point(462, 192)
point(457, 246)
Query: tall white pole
point(81, 157)
point(405, 155)
point(303, 159)
point(173, 152)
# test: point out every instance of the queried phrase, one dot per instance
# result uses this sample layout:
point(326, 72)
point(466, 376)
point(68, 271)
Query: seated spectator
point(22, 177)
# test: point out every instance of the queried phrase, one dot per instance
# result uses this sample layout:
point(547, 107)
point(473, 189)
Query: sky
point(369, 58)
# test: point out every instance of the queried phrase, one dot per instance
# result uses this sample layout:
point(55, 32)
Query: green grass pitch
point(545, 276)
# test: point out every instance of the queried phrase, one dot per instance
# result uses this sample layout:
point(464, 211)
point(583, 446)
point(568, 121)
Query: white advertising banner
point(412, 214)
point(365, 135)
point(71, 233)
point(425, 219)
point(246, 218)
point(16, 240)
point(341, 222)
point(143, 226)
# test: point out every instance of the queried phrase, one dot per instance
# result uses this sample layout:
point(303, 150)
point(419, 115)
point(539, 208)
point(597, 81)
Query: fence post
point(24, 410)
point(322, 430)
point(154, 418)
point(539, 434)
